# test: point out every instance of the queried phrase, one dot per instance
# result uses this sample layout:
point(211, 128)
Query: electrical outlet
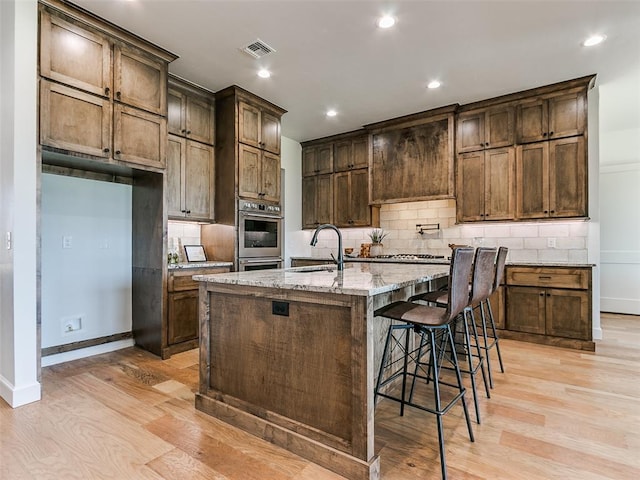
point(67, 241)
point(71, 324)
point(551, 242)
point(8, 240)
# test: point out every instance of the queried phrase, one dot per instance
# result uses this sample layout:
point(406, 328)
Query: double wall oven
point(259, 236)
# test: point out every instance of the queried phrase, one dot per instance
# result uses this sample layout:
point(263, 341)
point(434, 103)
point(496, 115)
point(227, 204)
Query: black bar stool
point(479, 290)
point(490, 338)
point(428, 322)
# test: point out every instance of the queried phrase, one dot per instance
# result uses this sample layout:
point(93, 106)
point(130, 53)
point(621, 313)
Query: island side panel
point(295, 365)
point(204, 343)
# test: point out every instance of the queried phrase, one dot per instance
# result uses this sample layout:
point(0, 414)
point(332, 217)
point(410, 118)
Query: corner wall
point(18, 188)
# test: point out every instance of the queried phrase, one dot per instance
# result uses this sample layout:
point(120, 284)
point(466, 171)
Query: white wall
point(620, 192)
point(18, 190)
point(91, 279)
point(295, 242)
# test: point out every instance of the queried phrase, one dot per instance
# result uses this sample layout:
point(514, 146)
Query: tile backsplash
point(549, 241)
point(180, 234)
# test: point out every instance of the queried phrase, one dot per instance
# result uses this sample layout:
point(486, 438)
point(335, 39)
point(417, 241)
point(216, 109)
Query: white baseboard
point(620, 305)
point(86, 352)
point(18, 396)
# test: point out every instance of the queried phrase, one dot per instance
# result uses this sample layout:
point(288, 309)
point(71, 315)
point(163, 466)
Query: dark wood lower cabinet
point(550, 305)
point(182, 327)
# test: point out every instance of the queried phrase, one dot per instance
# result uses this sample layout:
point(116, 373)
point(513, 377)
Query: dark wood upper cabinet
point(351, 205)
point(190, 111)
point(317, 159)
point(351, 154)
point(412, 157)
point(258, 127)
point(487, 128)
point(550, 117)
point(317, 200)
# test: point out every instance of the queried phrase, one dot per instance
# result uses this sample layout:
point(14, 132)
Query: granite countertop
point(365, 279)
point(210, 264)
point(442, 261)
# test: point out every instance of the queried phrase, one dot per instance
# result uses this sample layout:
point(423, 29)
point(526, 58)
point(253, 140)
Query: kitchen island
point(291, 355)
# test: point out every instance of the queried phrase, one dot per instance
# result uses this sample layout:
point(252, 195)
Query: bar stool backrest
point(483, 274)
point(461, 265)
point(500, 262)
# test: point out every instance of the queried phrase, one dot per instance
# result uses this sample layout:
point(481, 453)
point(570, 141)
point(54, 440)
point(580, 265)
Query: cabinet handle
point(118, 152)
point(544, 134)
point(106, 150)
point(548, 294)
point(183, 131)
point(544, 277)
point(107, 91)
point(542, 294)
point(188, 212)
point(486, 144)
point(546, 211)
point(183, 211)
point(118, 95)
point(188, 132)
point(550, 133)
point(553, 211)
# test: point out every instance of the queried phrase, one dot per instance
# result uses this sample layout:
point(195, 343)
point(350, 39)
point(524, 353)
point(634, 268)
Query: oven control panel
point(259, 207)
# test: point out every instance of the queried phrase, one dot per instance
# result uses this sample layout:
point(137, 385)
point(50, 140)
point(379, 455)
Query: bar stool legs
point(489, 341)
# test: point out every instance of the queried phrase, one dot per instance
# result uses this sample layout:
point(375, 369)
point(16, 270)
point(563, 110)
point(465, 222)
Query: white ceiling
point(330, 54)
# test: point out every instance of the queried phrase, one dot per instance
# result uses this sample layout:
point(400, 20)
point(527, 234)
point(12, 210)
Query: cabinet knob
point(486, 144)
point(183, 131)
point(550, 133)
point(544, 134)
point(542, 294)
point(107, 91)
point(548, 294)
point(546, 211)
point(106, 150)
point(118, 95)
point(553, 211)
point(188, 132)
point(118, 152)
point(188, 212)
point(183, 211)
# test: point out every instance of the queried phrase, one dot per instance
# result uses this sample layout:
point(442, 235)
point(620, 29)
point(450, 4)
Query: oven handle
point(261, 215)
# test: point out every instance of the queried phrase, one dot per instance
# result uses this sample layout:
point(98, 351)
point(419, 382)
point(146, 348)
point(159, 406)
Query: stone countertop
point(210, 264)
point(442, 261)
point(364, 279)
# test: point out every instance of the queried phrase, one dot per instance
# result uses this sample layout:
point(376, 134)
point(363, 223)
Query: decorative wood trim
point(327, 457)
point(68, 347)
point(86, 174)
point(333, 138)
point(413, 119)
point(80, 14)
point(252, 98)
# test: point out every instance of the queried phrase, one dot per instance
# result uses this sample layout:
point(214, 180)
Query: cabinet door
point(199, 180)
point(342, 156)
point(360, 153)
point(359, 198)
point(176, 151)
point(324, 199)
point(566, 115)
point(249, 124)
point(567, 178)
point(567, 313)
point(532, 180)
point(309, 161)
point(470, 179)
point(499, 127)
point(176, 105)
point(74, 120)
point(182, 317)
point(526, 309)
point(75, 56)
point(249, 172)
point(270, 132)
point(342, 199)
point(499, 170)
point(309, 194)
point(532, 121)
point(139, 137)
point(270, 177)
point(470, 132)
point(324, 159)
point(140, 80)
point(200, 120)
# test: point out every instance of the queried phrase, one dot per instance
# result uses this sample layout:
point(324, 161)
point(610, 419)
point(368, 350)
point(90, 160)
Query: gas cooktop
point(410, 256)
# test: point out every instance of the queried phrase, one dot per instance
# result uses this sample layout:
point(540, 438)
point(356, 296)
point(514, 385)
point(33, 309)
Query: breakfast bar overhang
point(291, 355)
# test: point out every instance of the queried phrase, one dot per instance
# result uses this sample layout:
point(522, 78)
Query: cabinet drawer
point(577, 278)
point(182, 280)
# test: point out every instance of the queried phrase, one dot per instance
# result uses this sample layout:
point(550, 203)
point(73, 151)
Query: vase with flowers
point(376, 235)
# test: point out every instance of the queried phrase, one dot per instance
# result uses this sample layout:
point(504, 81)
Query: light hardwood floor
point(554, 414)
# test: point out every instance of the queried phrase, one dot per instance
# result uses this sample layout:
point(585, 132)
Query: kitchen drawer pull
point(544, 277)
point(107, 91)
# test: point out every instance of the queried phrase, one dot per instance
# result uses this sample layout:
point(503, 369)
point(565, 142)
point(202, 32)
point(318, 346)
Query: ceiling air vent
point(258, 49)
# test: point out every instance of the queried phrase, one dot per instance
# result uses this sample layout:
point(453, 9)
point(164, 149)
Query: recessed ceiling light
point(331, 113)
point(433, 84)
point(264, 73)
point(594, 40)
point(386, 21)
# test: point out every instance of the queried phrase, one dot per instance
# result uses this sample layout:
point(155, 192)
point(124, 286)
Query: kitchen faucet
point(314, 240)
